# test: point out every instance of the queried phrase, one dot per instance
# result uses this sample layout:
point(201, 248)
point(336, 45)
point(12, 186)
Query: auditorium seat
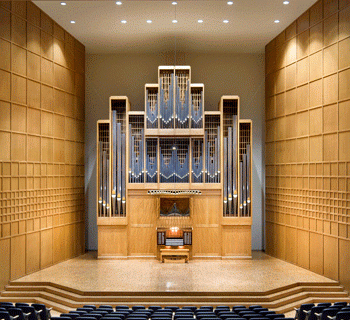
point(31, 313)
point(92, 306)
point(85, 317)
point(101, 312)
point(324, 304)
point(6, 316)
point(18, 312)
point(154, 308)
point(300, 313)
point(96, 315)
point(340, 304)
point(85, 309)
point(45, 313)
point(327, 312)
point(78, 312)
point(341, 315)
point(310, 315)
point(275, 316)
point(21, 304)
point(192, 308)
point(253, 307)
point(70, 315)
point(6, 304)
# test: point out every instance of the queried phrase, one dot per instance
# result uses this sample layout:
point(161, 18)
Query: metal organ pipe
point(104, 161)
point(234, 164)
point(248, 179)
point(100, 199)
point(166, 107)
point(229, 169)
point(151, 110)
point(181, 108)
point(196, 110)
point(241, 183)
point(123, 174)
point(114, 162)
point(244, 183)
point(225, 176)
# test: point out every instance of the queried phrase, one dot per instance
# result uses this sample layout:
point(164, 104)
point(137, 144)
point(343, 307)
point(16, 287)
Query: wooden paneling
point(305, 201)
point(37, 184)
point(236, 241)
point(112, 241)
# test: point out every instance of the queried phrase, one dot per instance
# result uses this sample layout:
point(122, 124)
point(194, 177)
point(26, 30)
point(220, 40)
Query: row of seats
point(107, 312)
point(323, 311)
point(24, 311)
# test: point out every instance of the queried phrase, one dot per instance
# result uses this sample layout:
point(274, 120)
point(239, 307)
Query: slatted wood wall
point(42, 141)
point(308, 141)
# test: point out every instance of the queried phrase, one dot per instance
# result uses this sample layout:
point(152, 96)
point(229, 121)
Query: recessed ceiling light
point(230, 3)
point(225, 21)
point(200, 21)
point(72, 21)
point(286, 2)
point(123, 21)
point(118, 3)
point(276, 21)
point(174, 3)
point(149, 21)
point(174, 21)
point(63, 4)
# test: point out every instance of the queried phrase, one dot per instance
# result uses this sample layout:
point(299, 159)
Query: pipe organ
point(174, 152)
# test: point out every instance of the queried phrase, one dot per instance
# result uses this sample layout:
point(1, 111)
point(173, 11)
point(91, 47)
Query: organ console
point(178, 152)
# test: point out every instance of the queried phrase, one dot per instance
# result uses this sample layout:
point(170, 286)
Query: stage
point(262, 280)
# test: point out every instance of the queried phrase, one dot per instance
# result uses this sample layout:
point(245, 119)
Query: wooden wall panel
point(236, 241)
point(112, 241)
point(312, 219)
point(32, 138)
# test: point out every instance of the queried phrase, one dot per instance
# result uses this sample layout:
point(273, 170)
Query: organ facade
point(174, 176)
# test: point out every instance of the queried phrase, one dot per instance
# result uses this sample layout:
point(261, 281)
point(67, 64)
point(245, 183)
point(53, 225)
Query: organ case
point(175, 148)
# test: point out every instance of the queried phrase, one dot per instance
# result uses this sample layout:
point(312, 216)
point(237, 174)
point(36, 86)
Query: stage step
point(64, 299)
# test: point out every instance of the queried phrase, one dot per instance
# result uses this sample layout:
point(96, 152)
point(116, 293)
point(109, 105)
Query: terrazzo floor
point(261, 273)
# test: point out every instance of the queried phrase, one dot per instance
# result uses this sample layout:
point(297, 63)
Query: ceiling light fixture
point(63, 4)
point(225, 21)
point(149, 21)
point(286, 2)
point(72, 21)
point(174, 3)
point(118, 3)
point(174, 21)
point(200, 21)
point(230, 3)
point(123, 21)
point(276, 21)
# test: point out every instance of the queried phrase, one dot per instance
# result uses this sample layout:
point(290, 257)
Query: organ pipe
point(181, 107)
point(234, 164)
point(119, 166)
point(225, 175)
point(151, 109)
point(123, 175)
point(166, 105)
point(196, 109)
point(244, 183)
point(104, 183)
point(229, 168)
point(241, 183)
point(248, 179)
point(114, 162)
point(100, 199)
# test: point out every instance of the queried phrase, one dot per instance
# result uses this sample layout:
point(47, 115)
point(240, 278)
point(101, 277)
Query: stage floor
point(260, 274)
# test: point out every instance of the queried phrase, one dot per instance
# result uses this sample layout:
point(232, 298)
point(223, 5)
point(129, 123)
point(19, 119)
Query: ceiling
point(98, 24)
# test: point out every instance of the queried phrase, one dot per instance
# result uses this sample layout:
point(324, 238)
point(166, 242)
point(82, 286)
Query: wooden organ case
point(174, 175)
